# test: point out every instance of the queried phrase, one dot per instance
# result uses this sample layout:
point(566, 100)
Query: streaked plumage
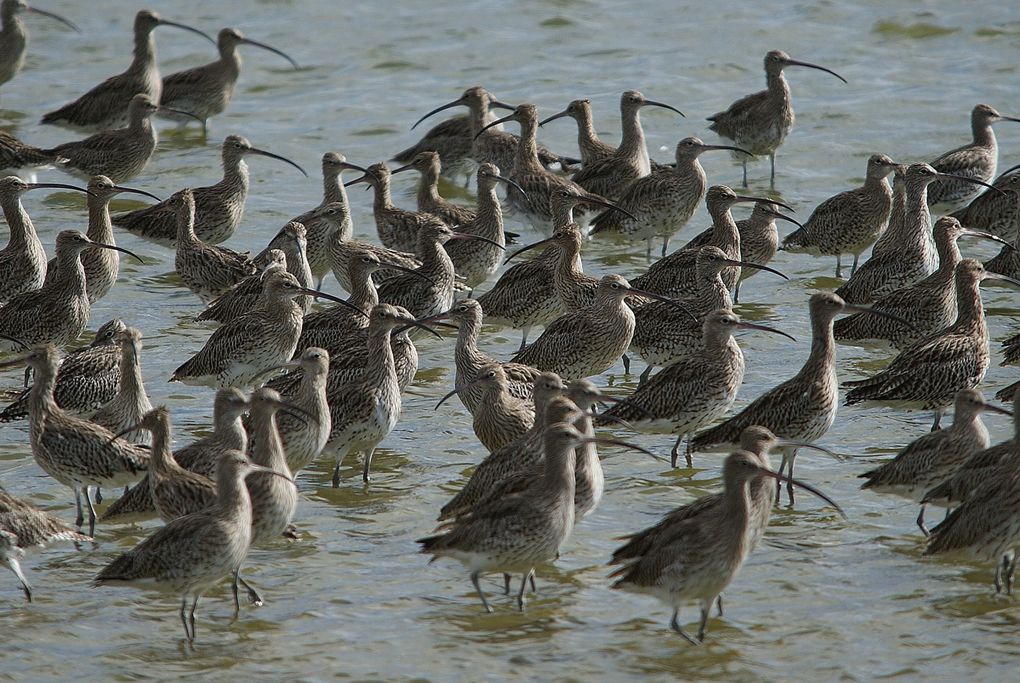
point(851, 221)
point(131, 403)
point(14, 37)
point(218, 208)
point(107, 105)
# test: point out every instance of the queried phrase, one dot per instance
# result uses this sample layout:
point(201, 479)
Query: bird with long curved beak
point(462, 101)
point(58, 312)
point(207, 90)
point(695, 390)
point(708, 538)
point(15, 36)
point(761, 121)
point(107, 105)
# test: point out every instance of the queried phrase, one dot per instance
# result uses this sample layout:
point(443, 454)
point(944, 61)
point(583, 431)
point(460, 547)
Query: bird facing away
point(106, 106)
point(761, 121)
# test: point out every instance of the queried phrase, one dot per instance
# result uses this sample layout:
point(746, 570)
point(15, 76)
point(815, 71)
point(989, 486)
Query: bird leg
point(853, 268)
point(706, 607)
point(782, 467)
point(674, 454)
point(524, 339)
point(920, 522)
point(937, 424)
point(718, 604)
point(524, 586)
point(626, 364)
point(184, 619)
point(92, 512)
point(191, 618)
point(80, 519)
point(506, 583)
point(744, 163)
point(15, 566)
point(772, 178)
point(648, 250)
point(839, 268)
point(99, 495)
point(675, 625)
point(665, 244)
point(478, 588)
point(1009, 574)
point(789, 482)
point(736, 293)
point(368, 463)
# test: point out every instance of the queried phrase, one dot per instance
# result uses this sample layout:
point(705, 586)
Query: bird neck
point(489, 215)
point(712, 293)
point(823, 345)
point(778, 87)
point(527, 147)
point(587, 137)
point(970, 312)
point(268, 450)
point(560, 465)
point(983, 134)
point(232, 498)
point(380, 349)
point(100, 228)
point(917, 217)
point(333, 189)
point(569, 266)
point(21, 229)
point(131, 383)
point(874, 184)
point(435, 262)
point(738, 501)
point(70, 272)
point(41, 401)
point(229, 432)
point(364, 294)
point(467, 342)
point(949, 256)
point(186, 231)
point(162, 461)
point(383, 199)
point(428, 188)
point(144, 53)
point(724, 232)
point(313, 382)
point(632, 141)
point(235, 174)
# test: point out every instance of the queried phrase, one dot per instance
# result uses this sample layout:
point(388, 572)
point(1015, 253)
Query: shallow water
point(821, 599)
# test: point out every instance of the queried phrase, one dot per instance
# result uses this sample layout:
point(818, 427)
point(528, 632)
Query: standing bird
point(516, 532)
point(247, 294)
point(676, 274)
point(131, 403)
point(14, 35)
point(192, 553)
point(608, 176)
point(22, 525)
point(56, 313)
point(206, 269)
point(694, 391)
point(803, 407)
point(696, 556)
point(935, 456)
point(536, 183)
point(976, 161)
point(592, 149)
point(660, 204)
point(238, 352)
point(77, 453)
point(23, 260)
point(364, 411)
point(88, 377)
point(929, 305)
point(850, 221)
point(218, 208)
point(500, 417)
point(453, 139)
point(589, 341)
point(397, 228)
point(322, 229)
point(205, 91)
point(761, 121)
point(102, 266)
point(107, 105)
point(928, 373)
point(118, 153)
point(909, 254)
